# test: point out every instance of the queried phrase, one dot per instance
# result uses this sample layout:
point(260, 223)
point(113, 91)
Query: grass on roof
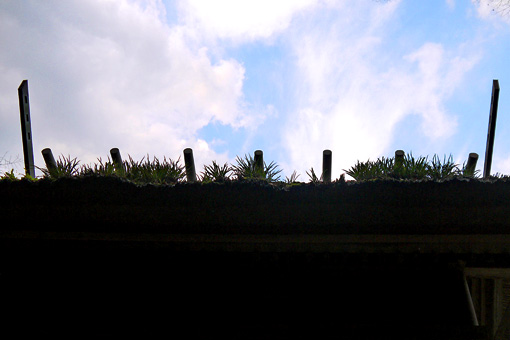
point(168, 171)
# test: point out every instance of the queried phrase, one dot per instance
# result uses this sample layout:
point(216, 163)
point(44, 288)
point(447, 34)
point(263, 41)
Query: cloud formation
point(108, 74)
point(352, 90)
point(122, 74)
point(241, 21)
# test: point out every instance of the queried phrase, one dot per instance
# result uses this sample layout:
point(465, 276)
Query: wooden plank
point(502, 273)
point(347, 244)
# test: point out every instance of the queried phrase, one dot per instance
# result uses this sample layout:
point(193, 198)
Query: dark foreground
point(378, 261)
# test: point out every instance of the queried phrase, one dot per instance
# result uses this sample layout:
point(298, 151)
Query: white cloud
point(106, 74)
point(241, 20)
point(352, 90)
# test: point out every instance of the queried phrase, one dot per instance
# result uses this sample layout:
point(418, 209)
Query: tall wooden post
point(189, 164)
point(326, 166)
point(26, 129)
point(492, 129)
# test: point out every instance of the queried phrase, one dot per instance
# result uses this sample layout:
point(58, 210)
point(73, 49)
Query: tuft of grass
point(9, 176)
point(313, 177)
point(144, 171)
point(107, 168)
point(66, 168)
point(293, 178)
point(216, 173)
point(465, 172)
point(443, 170)
point(155, 171)
point(497, 175)
point(247, 169)
point(409, 168)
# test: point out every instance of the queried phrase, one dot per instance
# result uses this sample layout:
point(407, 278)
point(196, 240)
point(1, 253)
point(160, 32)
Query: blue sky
point(292, 78)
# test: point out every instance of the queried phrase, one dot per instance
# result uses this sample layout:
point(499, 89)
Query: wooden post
point(492, 129)
point(259, 162)
point(471, 164)
point(26, 129)
point(399, 157)
point(189, 164)
point(326, 166)
point(117, 159)
point(51, 165)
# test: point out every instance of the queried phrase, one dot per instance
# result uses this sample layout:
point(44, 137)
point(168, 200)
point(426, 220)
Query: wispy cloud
point(353, 86)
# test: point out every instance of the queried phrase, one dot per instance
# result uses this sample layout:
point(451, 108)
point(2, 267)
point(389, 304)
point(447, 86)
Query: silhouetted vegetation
point(168, 171)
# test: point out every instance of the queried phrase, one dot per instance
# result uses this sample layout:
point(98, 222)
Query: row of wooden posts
point(191, 176)
point(26, 132)
point(189, 162)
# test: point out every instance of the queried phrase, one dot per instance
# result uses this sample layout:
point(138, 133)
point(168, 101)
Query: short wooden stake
point(189, 164)
point(399, 157)
point(259, 161)
point(51, 165)
point(326, 166)
point(117, 159)
point(26, 129)
point(471, 164)
point(492, 129)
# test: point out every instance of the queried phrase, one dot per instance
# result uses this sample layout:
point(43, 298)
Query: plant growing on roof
point(444, 170)
point(216, 173)
point(9, 176)
point(466, 172)
point(65, 168)
point(313, 177)
point(293, 178)
point(406, 167)
point(165, 172)
point(248, 169)
point(102, 169)
point(410, 168)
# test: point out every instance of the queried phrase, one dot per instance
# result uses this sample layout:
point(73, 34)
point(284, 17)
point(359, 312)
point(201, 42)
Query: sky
point(227, 77)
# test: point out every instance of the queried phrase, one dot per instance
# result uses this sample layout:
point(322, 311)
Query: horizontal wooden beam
point(488, 273)
point(384, 244)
